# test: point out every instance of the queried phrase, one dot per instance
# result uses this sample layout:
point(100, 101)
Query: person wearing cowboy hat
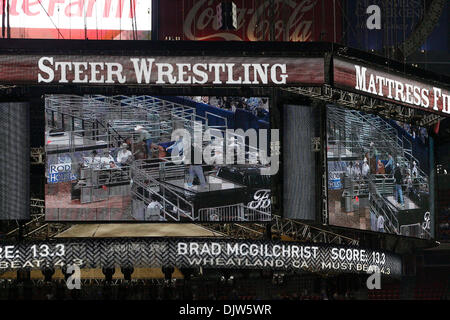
point(144, 136)
point(123, 155)
point(106, 158)
point(365, 168)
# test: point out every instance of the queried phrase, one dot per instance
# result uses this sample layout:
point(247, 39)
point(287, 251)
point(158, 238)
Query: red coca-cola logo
point(293, 20)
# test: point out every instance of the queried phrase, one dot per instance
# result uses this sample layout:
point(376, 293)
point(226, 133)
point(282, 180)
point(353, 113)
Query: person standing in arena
point(414, 171)
point(398, 184)
point(390, 164)
point(356, 172)
point(145, 137)
point(380, 223)
point(373, 157)
point(153, 211)
point(365, 169)
point(124, 155)
point(350, 169)
point(380, 167)
point(195, 169)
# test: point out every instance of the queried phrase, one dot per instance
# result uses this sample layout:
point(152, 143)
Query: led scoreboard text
point(36, 256)
point(233, 254)
point(166, 73)
point(160, 70)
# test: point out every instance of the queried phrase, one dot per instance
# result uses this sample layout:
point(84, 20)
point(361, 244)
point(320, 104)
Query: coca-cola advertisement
point(264, 20)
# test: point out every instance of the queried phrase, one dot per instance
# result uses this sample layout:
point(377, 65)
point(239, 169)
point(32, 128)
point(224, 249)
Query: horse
point(139, 150)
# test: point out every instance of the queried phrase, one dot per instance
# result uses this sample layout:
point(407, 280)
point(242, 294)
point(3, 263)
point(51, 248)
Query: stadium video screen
point(14, 162)
point(157, 159)
point(301, 124)
point(78, 20)
point(378, 174)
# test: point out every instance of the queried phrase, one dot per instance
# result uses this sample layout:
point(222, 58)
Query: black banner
point(189, 252)
point(160, 70)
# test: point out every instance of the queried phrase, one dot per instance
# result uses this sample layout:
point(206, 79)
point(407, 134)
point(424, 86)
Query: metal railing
point(180, 206)
point(352, 131)
point(37, 155)
point(379, 206)
point(233, 213)
point(344, 148)
point(103, 113)
point(162, 168)
point(384, 183)
point(414, 230)
point(78, 140)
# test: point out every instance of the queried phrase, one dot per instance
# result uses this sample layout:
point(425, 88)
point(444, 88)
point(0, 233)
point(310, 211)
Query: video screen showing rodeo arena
point(123, 158)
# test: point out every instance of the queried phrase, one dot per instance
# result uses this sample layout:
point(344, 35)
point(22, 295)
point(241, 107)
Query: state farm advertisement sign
point(391, 87)
point(292, 20)
point(160, 70)
point(77, 19)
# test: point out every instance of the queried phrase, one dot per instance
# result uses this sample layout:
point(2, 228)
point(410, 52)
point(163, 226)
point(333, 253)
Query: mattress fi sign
point(391, 87)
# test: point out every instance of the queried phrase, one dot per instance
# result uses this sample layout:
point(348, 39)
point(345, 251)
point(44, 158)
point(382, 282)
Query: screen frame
point(188, 48)
point(431, 187)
